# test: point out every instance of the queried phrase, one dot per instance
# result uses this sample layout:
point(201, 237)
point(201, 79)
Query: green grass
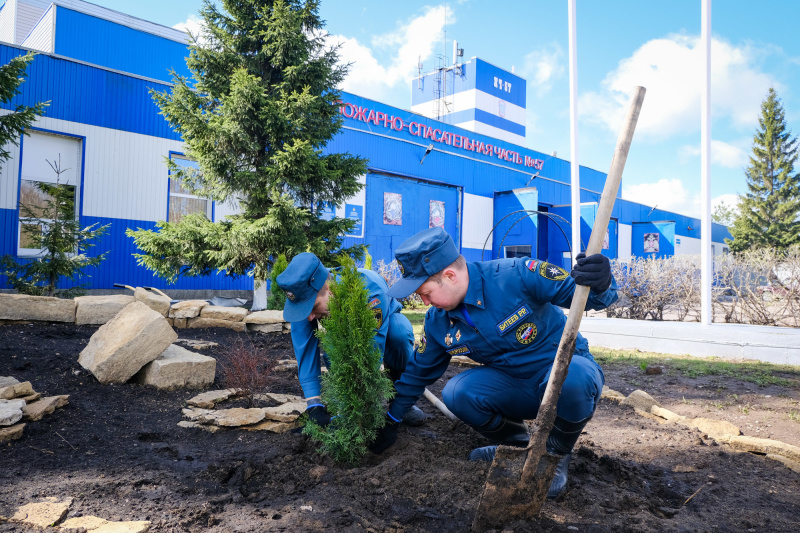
point(757, 372)
point(417, 319)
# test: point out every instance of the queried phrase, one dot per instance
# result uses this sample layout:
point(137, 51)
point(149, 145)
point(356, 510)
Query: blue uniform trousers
point(477, 395)
point(399, 342)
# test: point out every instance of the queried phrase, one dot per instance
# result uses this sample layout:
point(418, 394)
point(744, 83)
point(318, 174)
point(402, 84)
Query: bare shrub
point(246, 369)
point(390, 272)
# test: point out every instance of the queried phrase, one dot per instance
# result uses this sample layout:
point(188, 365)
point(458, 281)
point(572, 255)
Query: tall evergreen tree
point(769, 213)
point(256, 117)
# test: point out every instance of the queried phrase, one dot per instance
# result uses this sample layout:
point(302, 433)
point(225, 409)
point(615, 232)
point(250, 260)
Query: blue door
point(653, 239)
point(515, 235)
point(398, 208)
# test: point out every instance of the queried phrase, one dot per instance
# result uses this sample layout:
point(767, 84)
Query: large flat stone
point(99, 309)
point(287, 412)
point(207, 400)
point(194, 425)
point(266, 328)
point(95, 524)
point(43, 308)
point(187, 308)
point(37, 410)
point(238, 416)
point(714, 428)
point(11, 433)
point(272, 426)
point(11, 388)
point(156, 302)
point(639, 399)
point(42, 514)
point(122, 346)
point(178, 368)
point(11, 411)
point(265, 317)
point(763, 446)
point(231, 314)
point(201, 322)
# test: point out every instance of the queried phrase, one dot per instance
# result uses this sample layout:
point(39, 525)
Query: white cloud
point(193, 25)
point(667, 194)
point(542, 66)
point(723, 154)
point(670, 70)
point(412, 42)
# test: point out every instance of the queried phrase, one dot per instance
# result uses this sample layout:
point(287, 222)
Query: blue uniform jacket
point(306, 344)
point(512, 323)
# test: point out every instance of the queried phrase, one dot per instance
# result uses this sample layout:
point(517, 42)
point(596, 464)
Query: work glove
point(387, 436)
point(319, 414)
point(593, 271)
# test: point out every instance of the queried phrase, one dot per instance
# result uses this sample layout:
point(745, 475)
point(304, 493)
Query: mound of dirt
point(118, 452)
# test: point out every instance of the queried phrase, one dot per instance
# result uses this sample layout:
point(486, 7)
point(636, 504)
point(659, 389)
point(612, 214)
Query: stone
point(197, 344)
point(31, 397)
point(11, 388)
point(667, 415)
point(287, 412)
point(316, 472)
point(287, 327)
point(273, 426)
point(11, 411)
point(791, 465)
point(178, 368)
point(639, 399)
point(154, 301)
point(653, 370)
point(123, 345)
point(42, 308)
point(463, 361)
point(201, 322)
point(611, 394)
point(187, 308)
point(763, 446)
point(285, 365)
point(194, 425)
point(278, 398)
point(714, 428)
point(207, 400)
point(238, 416)
point(265, 317)
point(194, 413)
point(179, 323)
point(38, 409)
point(99, 309)
point(95, 524)
point(265, 328)
point(42, 514)
point(231, 314)
point(10, 433)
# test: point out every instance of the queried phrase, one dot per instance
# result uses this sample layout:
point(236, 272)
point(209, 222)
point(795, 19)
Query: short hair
point(459, 264)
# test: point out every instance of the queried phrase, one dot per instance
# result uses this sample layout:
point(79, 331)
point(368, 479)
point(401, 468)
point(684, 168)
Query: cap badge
point(400, 266)
point(290, 295)
point(448, 339)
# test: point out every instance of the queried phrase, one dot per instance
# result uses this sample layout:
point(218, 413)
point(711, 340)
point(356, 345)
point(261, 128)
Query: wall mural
point(651, 243)
point(436, 215)
point(393, 209)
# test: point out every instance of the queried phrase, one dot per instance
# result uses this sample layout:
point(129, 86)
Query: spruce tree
point(256, 116)
point(769, 213)
point(13, 125)
point(277, 297)
point(354, 388)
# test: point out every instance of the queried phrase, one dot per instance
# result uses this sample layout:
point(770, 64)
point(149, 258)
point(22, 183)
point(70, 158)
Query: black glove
point(593, 271)
point(318, 414)
point(387, 436)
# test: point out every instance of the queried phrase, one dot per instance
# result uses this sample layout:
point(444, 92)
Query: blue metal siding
point(89, 95)
point(666, 238)
point(105, 43)
point(484, 81)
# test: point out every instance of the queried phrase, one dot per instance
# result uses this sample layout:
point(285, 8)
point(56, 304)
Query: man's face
point(446, 294)
point(320, 309)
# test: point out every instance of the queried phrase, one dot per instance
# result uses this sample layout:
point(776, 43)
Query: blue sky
point(621, 43)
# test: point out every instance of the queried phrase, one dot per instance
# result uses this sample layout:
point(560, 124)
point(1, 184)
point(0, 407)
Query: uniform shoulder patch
point(526, 333)
point(552, 272)
point(374, 302)
point(531, 264)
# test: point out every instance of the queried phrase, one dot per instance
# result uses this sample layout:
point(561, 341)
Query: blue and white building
point(465, 171)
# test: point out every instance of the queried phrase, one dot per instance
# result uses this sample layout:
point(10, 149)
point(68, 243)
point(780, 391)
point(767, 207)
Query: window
point(41, 152)
point(183, 202)
point(518, 251)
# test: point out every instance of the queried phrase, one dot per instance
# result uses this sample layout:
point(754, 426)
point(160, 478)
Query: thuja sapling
point(354, 389)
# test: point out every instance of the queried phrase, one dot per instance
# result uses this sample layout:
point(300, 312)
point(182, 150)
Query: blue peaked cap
point(419, 257)
point(301, 281)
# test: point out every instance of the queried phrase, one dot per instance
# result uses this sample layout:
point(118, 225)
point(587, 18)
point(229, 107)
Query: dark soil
point(117, 450)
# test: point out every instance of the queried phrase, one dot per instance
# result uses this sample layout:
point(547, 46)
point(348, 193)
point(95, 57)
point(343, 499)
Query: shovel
point(518, 479)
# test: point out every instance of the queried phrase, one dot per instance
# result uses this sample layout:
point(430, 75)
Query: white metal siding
point(9, 176)
point(28, 14)
point(226, 208)
point(41, 36)
point(7, 17)
point(477, 220)
point(624, 242)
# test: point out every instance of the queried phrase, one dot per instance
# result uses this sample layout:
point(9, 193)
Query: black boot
point(560, 442)
point(509, 432)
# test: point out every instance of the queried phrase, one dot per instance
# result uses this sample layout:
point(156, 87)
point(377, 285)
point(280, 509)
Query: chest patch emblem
point(552, 272)
point(448, 339)
point(508, 323)
point(463, 349)
point(374, 302)
point(526, 333)
point(378, 312)
point(423, 343)
point(458, 335)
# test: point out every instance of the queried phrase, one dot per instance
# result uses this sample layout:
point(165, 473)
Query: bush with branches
point(246, 369)
point(390, 272)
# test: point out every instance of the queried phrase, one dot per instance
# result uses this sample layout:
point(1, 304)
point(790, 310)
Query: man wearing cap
point(504, 314)
point(305, 282)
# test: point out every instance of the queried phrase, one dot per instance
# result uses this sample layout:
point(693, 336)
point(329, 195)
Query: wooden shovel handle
point(547, 411)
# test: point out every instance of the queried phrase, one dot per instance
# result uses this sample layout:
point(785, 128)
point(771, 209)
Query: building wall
point(28, 14)
point(42, 35)
point(8, 15)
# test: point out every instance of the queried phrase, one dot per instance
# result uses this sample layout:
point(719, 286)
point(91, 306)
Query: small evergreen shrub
point(277, 298)
point(354, 389)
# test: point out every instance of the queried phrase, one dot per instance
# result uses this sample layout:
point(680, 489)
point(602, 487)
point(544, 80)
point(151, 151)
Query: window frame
point(210, 204)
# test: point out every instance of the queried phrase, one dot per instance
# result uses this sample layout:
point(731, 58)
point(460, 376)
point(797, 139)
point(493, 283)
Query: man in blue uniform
point(504, 314)
point(305, 282)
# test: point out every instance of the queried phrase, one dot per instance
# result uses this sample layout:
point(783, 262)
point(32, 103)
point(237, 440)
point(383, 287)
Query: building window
point(518, 251)
point(183, 202)
point(42, 153)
